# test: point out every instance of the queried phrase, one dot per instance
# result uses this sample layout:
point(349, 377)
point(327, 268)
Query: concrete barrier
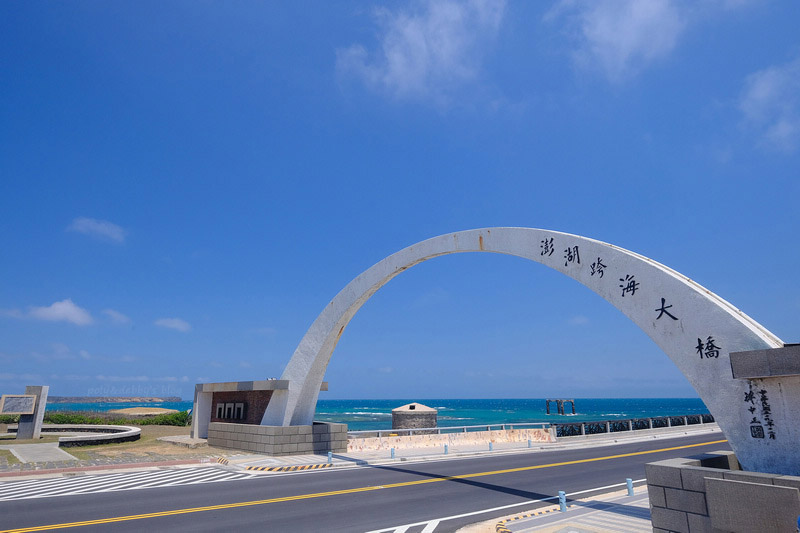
point(359, 444)
point(709, 492)
point(98, 434)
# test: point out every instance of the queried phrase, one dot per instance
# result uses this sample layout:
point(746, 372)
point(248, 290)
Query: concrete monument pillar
point(30, 425)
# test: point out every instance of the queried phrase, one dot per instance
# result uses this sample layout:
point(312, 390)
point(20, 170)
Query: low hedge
point(182, 418)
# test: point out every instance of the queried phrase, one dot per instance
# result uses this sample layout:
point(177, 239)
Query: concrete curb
point(500, 527)
point(288, 468)
point(96, 468)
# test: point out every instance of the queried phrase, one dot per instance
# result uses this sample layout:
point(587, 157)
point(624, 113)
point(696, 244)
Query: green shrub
point(181, 418)
point(9, 419)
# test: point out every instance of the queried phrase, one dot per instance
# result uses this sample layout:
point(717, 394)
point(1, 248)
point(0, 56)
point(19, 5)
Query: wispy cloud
point(426, 50)
point(63, 311)
point(770, 103)
point(7, 376)
point(266, 331)
point(103, 377)
point(116, 317)
point(621, 37)
point(173, 323)
point(433, 297)
point(578, 320)
point(99, 229)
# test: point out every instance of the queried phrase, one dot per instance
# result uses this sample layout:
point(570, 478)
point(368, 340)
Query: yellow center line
point(343, 491)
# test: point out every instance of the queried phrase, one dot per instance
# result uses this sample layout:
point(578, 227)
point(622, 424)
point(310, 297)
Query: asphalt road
point(355, 499)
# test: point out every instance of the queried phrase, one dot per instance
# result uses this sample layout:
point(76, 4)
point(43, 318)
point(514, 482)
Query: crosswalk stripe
point(197, 479)
point(45, 488)
point(431, 526)
point(101, 482)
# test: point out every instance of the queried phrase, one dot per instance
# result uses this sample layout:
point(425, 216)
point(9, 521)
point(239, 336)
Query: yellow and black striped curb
point(288, 468)
point(500, 527)
point(222, 461)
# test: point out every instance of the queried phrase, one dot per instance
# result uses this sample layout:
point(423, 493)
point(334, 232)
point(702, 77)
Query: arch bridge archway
point(695, 328)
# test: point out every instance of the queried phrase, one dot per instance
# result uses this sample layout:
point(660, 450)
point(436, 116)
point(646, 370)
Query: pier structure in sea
point(560, 405)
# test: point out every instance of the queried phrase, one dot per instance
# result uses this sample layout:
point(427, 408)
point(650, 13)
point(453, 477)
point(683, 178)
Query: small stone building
point(413, 416)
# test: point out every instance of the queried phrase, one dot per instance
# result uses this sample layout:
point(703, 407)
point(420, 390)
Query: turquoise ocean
point(377, 414)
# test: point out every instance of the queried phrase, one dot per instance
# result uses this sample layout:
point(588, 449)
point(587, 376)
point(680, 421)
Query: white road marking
point(430, 527)
point(493, 509)
point(45, 488)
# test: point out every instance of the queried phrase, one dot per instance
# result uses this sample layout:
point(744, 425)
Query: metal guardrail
point(569, 429)
point(633, 424)
point(444, 430)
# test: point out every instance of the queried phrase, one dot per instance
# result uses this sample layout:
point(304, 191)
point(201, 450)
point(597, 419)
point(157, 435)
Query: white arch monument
point(696, 328)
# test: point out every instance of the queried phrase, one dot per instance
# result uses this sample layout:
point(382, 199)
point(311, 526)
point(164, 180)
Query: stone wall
point(451, 439)
point(255, 402)
point(709, 493)
point(414, 419)
point(321, 437)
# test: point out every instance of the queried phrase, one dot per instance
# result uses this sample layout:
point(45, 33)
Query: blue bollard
point(490, 446)
point(529, 443)
point(392, 453)
point(629, 482)
point(330, 457)
point(562, 501)
point(445, 449)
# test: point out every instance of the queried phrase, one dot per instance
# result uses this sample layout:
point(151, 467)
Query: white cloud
point(173, 323)
point(63, 311)
point(578, 320)
point(102, 377)
point(6, 376)
point(99, 229)
point(116, 317)
point(770, 103)
point(621, 37)
point(434, 297)
point(427, 50)
point(71, 377)
point(265, 331)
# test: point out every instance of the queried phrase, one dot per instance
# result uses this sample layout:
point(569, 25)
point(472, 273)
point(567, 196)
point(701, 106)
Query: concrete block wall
point(472, 438)
point(680, 500)
point(321, 437)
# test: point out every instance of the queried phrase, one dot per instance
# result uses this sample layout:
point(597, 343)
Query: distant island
point(112, 399)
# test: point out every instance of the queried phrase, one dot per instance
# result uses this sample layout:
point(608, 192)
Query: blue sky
point(185, 186)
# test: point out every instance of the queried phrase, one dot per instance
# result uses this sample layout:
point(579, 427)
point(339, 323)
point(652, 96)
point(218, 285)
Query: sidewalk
point(260, 463)
point(437, 453)
point(611, 512)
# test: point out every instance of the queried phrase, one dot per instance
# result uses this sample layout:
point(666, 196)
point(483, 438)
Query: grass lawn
point(10, 459)
point(148, 446)
point(12, 439)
